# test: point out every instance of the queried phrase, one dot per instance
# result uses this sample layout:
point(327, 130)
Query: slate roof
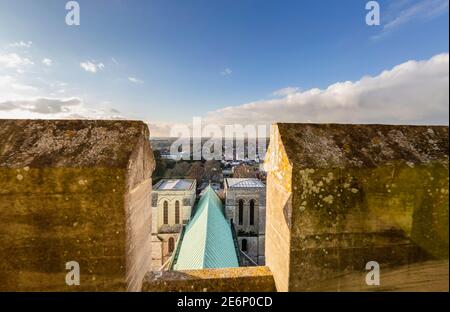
point(173, 184)
point(244, 183)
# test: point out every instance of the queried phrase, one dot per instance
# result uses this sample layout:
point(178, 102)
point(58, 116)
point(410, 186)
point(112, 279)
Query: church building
point(172, 203)
point(245, 207)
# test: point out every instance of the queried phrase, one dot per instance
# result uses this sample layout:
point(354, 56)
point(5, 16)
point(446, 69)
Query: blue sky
point(166, 61)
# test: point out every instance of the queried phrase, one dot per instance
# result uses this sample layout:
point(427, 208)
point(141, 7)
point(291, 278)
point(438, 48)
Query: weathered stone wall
point(244, 279)
point(74, 191)
point(160, 249)
point(278, 210)
point(423, 276)
point(340, 196)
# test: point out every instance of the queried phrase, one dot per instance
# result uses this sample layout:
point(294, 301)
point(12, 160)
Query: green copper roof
point(207, 241)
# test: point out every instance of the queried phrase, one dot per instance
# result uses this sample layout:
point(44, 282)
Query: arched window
point(166, 212)
point(241, 211)
point(252, 212)
point(177, 212)
point(171, 244)
point(244, 245)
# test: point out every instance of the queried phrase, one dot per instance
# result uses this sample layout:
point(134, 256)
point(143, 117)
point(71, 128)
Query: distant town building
point(215, 186)
point(172, 203)
point(227, 173)
point(245, 171)
point(245, 206)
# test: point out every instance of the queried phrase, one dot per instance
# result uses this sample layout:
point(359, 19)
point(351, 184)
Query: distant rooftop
point(244, 183)
point(174, 184)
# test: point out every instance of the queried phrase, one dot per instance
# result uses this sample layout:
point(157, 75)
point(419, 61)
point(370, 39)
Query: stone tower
point(172, 202)
point(245, 206)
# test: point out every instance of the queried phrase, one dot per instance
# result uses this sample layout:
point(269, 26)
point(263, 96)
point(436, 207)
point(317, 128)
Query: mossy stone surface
point(354, 194)
point(66, 194)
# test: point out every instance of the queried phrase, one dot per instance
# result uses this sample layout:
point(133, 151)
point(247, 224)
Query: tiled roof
point(207, 241)
point(244, 183)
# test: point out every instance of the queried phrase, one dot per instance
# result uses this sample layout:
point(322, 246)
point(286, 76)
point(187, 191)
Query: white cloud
point(47, 62)
point(21, 44)
point(415, 92)
point(135, 80)
point(31, 96)
point(226, 72)
point(13, 60)
point(285, 91)
point(19, 99)
point(11, 88)
point(92, 66)
point(401, 13)
point(54, 108)
point(41, 105)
